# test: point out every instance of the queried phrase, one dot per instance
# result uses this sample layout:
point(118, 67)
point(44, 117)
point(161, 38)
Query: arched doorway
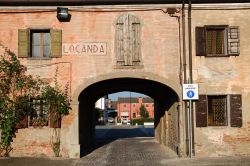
point(167, 107)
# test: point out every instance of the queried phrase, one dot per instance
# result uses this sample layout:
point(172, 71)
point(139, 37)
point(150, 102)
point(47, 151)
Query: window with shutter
point(233, 41)
point(236, 110)
point(212, 110)
point(56, 43)
point(217, 110)
point(217, 40)
point(127, 40)
point(201, 111)
point(39, 43)
point(23, 43)
point(200, 41)
point(39, 114)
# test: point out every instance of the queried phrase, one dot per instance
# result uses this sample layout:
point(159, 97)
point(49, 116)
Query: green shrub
point(141, 121)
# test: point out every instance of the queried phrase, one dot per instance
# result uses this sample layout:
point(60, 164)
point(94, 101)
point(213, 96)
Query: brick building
point(151, 47)
point(129, 108)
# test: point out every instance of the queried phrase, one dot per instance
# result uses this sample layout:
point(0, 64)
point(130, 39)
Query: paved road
point(125, 146)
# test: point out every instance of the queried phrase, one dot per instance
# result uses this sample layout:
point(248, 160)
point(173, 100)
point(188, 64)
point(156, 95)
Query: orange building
point(129, 108)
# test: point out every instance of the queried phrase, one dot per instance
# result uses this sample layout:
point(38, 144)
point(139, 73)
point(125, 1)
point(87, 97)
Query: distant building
point(111, 110)
point(129, 108)
point(100, 103)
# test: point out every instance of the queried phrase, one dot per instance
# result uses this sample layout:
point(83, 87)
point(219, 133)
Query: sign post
point(190, 92)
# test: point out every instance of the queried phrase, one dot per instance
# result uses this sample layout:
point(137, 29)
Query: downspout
point(190, 77)
point(190, 43)
point(185, 74)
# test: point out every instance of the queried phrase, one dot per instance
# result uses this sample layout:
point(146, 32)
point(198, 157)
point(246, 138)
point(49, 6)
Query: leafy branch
point(16, 91)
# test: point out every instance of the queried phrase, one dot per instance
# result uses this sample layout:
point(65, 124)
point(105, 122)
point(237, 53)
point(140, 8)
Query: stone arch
point(83, 102)
point(127, 74)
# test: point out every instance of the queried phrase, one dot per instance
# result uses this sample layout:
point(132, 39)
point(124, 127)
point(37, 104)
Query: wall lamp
point(62, 14)
point(171, 11)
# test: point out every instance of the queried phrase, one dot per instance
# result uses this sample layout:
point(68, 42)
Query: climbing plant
point(57, 100)
point(16, 91)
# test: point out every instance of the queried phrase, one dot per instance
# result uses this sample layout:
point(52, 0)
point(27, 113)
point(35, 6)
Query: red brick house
point(129, 108)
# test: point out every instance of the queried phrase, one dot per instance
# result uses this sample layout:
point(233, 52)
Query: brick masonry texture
point(161, 50)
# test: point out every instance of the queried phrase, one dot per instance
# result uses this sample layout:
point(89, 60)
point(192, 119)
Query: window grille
point(214, 110)
point(39, 115)
point(217, 109)
point(217, 40)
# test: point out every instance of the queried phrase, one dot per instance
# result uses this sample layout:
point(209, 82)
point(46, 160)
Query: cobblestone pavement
point(125, 146)
point(136, 146)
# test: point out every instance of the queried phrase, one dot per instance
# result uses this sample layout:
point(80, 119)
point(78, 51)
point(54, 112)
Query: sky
point(114, 96)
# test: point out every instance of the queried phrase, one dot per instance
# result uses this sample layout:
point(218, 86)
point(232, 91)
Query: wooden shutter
point(23, 43)
point(233, 41)
point(135, 43)
point(54, 120)
point(56, 43)
point(236, 110)
point(23, 123)
point(201, 111)
point(119, 42)
point(134, 39)
point(126, 33)
point(200, 41)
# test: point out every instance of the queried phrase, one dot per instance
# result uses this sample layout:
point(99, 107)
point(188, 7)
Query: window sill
point(39, 58)
point(215, 127)
point(129, 67)
point(38, 127)
point(217, 55)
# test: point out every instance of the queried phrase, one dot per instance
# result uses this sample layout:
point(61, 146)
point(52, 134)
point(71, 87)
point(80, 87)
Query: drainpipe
point(190, 43)
point(185, 74)
point(184, 42)
point(191, 126)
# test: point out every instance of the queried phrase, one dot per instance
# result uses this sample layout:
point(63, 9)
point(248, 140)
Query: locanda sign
point(84, 49)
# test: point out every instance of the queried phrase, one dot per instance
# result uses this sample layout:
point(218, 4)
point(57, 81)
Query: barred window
point(217, 40)
point(39, 115)
point(217, 110)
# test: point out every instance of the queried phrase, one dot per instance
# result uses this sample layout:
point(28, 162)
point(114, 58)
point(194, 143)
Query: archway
point(166, 99)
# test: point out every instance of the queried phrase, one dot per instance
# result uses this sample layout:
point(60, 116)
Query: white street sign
point(190, 92)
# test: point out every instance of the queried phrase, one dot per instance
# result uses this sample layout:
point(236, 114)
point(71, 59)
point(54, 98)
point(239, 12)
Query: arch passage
point(166, 108)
